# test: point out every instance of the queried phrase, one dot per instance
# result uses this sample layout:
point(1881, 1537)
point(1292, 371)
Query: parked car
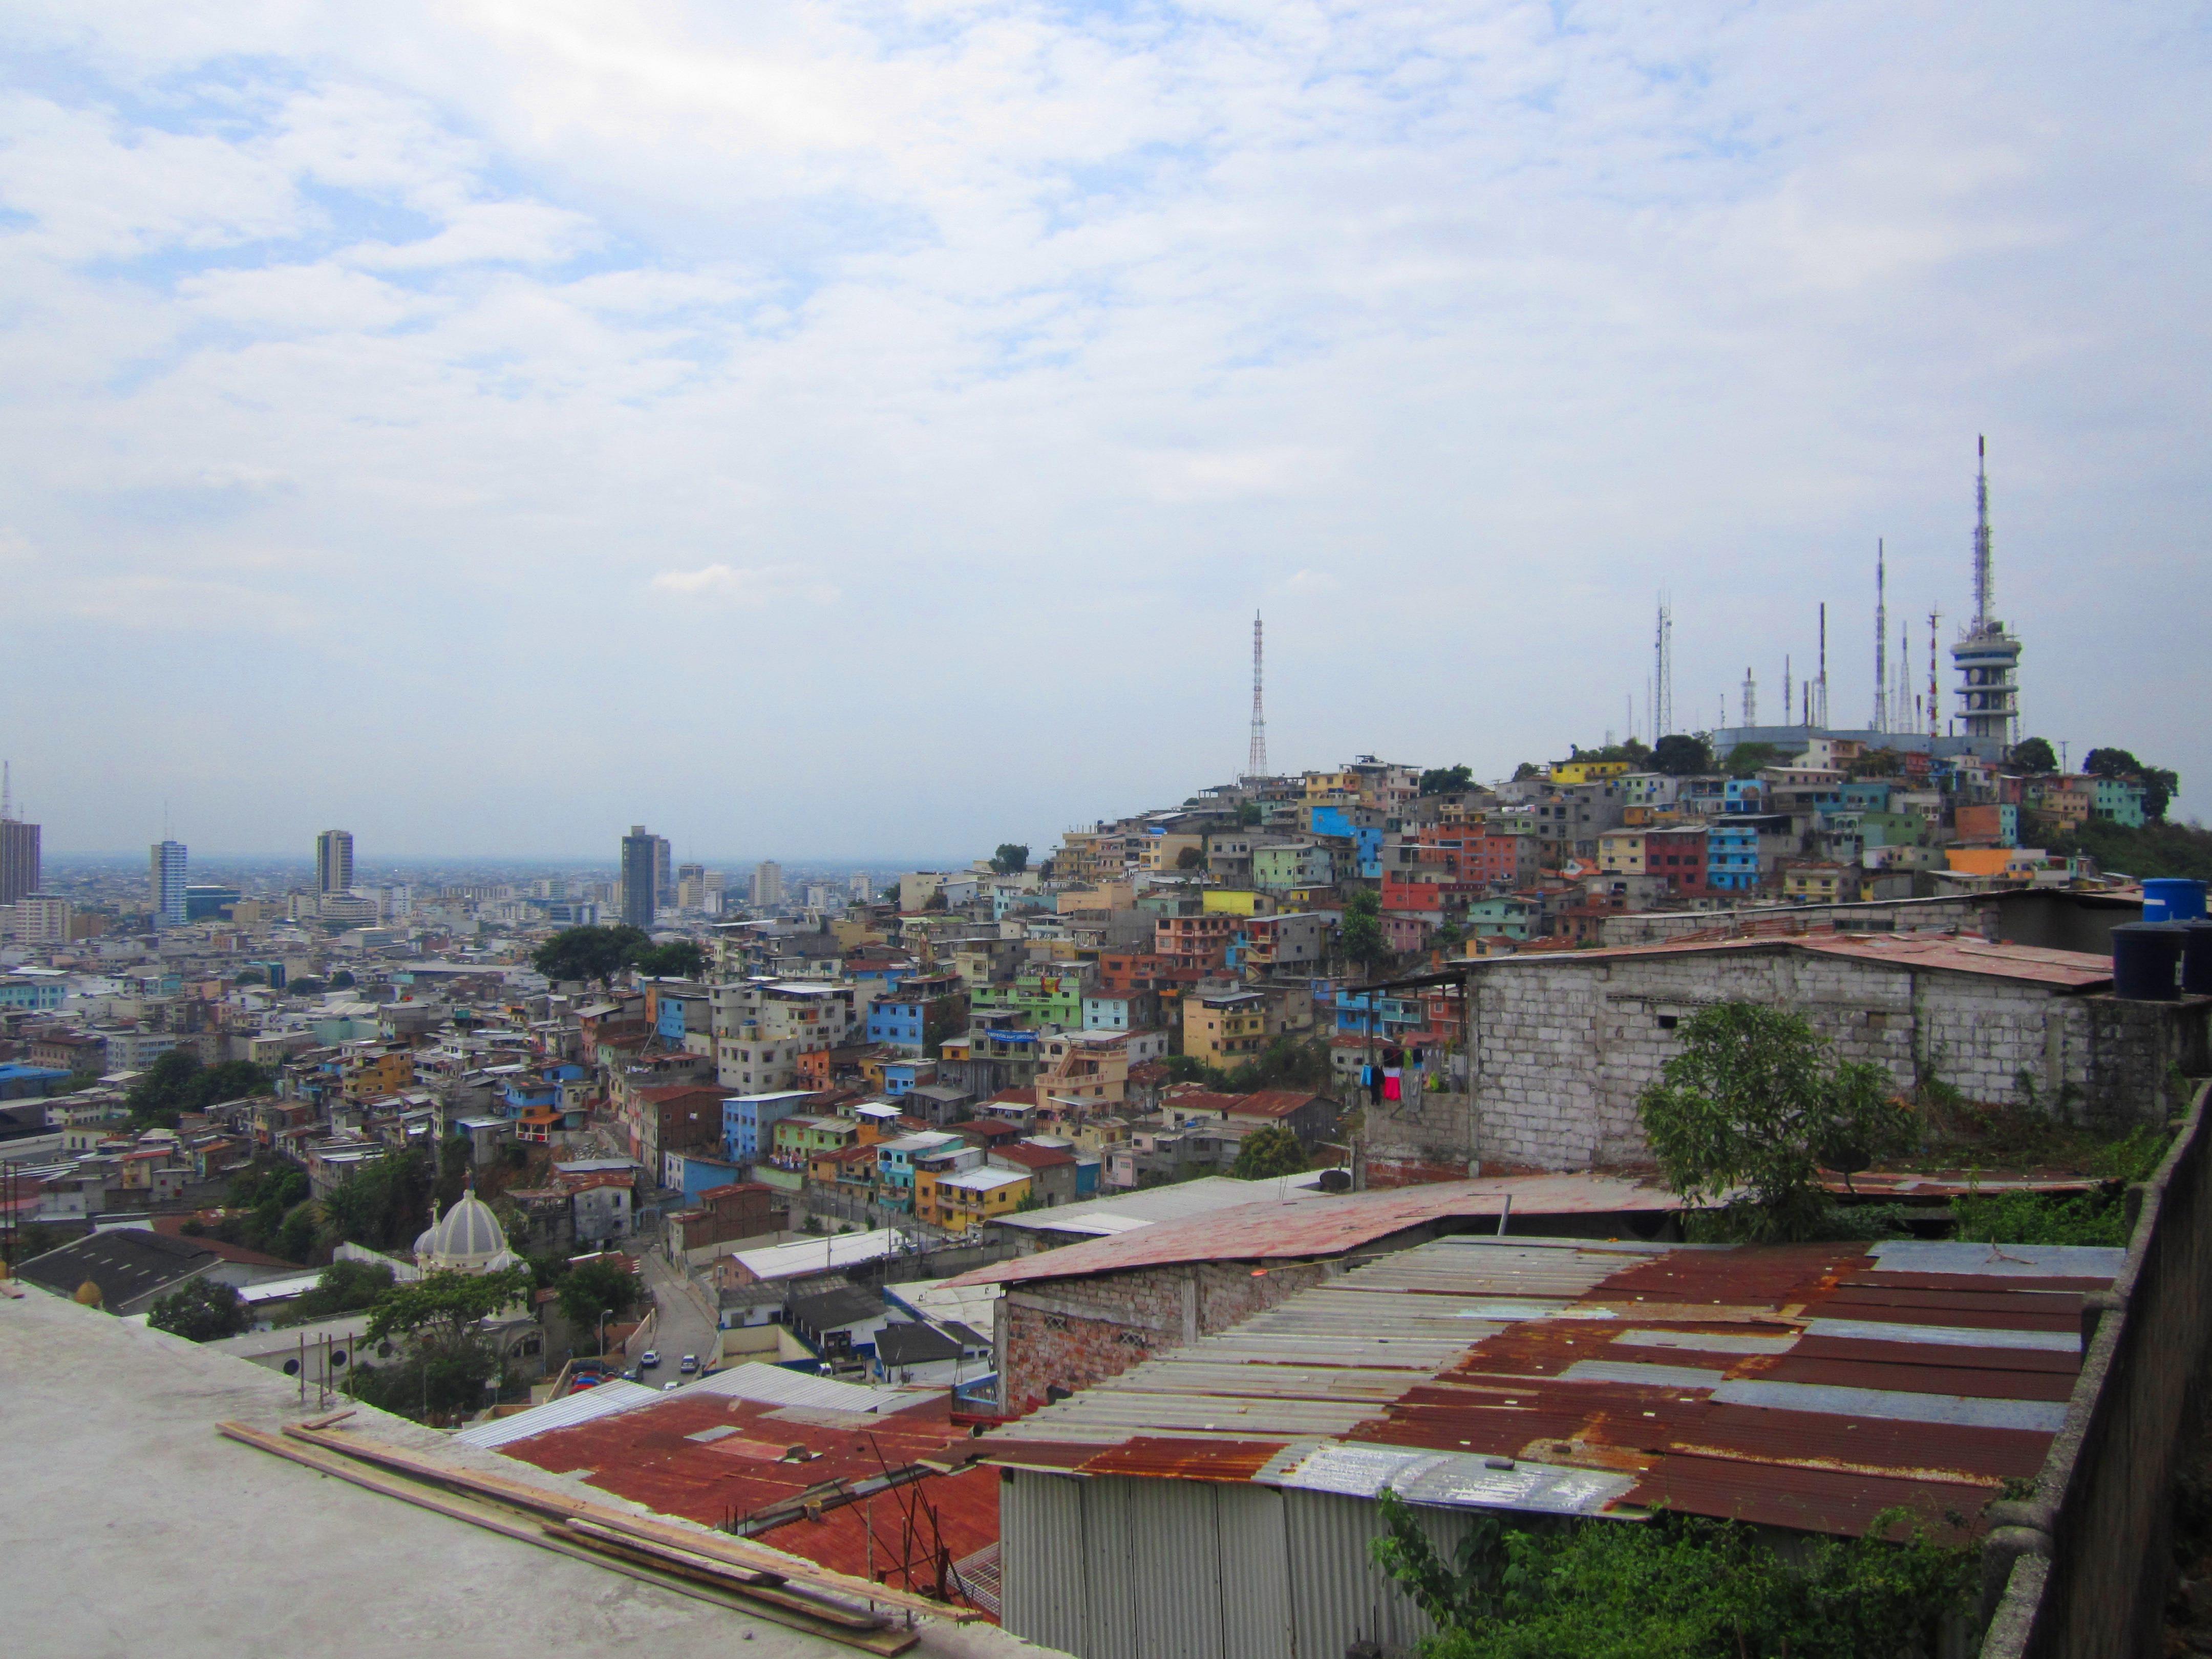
point(689, 1363)
point(668, 1388)
point(647, 1360)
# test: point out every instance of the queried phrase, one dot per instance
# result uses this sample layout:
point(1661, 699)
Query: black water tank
point(2196, 958)
point(2145, 958)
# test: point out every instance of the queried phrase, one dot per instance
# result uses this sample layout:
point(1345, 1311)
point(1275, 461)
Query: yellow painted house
point(1236, 901)
point(1587, 771)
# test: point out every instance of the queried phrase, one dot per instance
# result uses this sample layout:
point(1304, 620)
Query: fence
point(2080, 1570)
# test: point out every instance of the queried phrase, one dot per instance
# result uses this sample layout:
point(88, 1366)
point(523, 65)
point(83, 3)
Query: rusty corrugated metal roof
point(1812, 1387)
point(1290, 1229)
point(2071, 970)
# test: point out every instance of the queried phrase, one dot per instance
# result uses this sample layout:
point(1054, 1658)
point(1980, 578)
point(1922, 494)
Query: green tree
point(1247, 814)
point(2160, 785)
point(592, 1289)
point(250, 977)
point(677, 959)
point(1287, 1062)
point(1268, 1151)
point(1527, 770)
point(341, 980)
point(2033, 754)
point(1745, 760)
point(1447, 780)
point(1677, 1587)
point(1362, 929)
point(1753, 1108)
point(200, 1310)
point(589, 953)
point(1190, 858)
point(229, 1080)
point(445, 1306)
point(385, 1204)
point(1188, 1068)
point(307, 985)
point(1876, 763)
point(937, 901)
point(2157, 849)
point(1012, 858)
point(162, 1089)
point(1683, 755)
point(345, 1287)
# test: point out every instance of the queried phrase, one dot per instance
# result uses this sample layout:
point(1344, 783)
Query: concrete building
point(1565, 1041)
point(767, 885)
point(1224, 1028)
point(643, 858)
point(165, 882)
point(334, 861)
point(19, 861)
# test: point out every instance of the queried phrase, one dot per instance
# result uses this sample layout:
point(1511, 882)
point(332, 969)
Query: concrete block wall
point(1075, 1331)
point(1563, 1047)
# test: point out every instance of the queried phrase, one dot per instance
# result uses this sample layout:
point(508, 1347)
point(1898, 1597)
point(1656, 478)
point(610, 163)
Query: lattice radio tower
point(1256, 762)
point(1662, 673)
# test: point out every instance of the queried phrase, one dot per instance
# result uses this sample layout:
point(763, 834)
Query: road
point(681, 1327)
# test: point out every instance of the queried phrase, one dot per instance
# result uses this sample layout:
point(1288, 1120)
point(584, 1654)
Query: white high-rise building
point(43, 919)
point(767, 885)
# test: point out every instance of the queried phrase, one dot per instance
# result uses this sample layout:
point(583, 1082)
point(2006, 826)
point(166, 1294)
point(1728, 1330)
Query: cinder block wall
point(1076, 1332)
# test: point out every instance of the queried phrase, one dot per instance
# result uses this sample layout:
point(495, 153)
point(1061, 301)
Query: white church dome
point(468, 1238)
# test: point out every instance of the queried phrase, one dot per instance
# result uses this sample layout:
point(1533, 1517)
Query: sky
point(850, 430)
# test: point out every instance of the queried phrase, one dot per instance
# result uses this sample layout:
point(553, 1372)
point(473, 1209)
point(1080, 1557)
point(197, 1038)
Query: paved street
point(682, 1327)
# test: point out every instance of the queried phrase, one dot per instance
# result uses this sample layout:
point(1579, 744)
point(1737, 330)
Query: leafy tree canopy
point(385, 1204)
point(1678, 1587)
point(1189, 859)
point(1754, 1102)
point(1268, 1151)
point(177, 1083)
point(589, 953)
point(341, 980)
point(1527, 770)
point(1361, 932)
point(1447, 780)
point(677, 959)
point(1745, 760)
point(2033, 754)
point(2181, 850)
point(1012, 858)
point(1248, 813)
point(345, 1287)
point(1876, 763)
point(2160, 784)
point(445, 1306)
point(593, 1288)
point(306, 986)
point(200, 1310)
point(1683, 755)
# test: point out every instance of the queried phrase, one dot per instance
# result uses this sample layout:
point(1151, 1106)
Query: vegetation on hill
point(1677, 1587)
point(2155, 850)
point(178, 1083)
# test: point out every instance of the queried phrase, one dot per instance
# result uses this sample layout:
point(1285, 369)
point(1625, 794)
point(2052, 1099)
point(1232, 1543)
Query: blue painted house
point(749, 1121)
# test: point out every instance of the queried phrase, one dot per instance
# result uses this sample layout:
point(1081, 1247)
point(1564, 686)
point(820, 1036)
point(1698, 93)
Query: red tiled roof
point(174, 1227)
point(661, 1094)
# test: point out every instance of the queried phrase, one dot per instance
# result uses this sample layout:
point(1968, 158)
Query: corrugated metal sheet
point(1456, 1481)
point(1044, 1586)
point(773, 1385)
point(1254, 1538)
point(603, 1401)
point(1338, 1596)
point(1294, 1228)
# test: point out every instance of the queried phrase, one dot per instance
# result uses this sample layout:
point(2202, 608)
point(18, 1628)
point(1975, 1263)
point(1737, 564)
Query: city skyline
point(370, 350)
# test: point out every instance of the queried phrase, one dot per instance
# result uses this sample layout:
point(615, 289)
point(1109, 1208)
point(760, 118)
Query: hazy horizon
point(820, 425)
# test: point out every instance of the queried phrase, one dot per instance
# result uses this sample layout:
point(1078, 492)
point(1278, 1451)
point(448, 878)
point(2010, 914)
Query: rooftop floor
point(129, 1516)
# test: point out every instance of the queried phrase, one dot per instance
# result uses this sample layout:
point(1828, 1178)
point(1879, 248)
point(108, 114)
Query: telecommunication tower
point(1662, 673)
point(1880, 639)
point(1255, 761)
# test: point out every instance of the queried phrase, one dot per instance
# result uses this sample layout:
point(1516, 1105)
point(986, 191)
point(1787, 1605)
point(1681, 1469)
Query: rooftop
point(2070, 970)
point(99, 1404)
point(1809, 1387)
point(1307, 1224)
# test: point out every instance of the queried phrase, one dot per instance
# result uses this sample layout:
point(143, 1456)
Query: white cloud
point(1054, 338)
point(749, 589)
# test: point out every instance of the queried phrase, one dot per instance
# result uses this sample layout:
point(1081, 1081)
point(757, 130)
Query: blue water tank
point(2173, 899)
point(2146, 961)
point(2196, 958)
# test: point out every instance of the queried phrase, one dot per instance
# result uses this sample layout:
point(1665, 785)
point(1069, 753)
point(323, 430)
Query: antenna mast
point(1984, 565)
point(1256, 762)
point(1820, 697)
point(1750, 699)
point(1934, 691)
point(1880, 639)
point(1662, 674)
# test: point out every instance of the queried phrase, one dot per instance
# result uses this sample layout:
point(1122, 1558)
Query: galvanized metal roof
point(1811, 1387)
point(568, 1409)
point(2073, 970)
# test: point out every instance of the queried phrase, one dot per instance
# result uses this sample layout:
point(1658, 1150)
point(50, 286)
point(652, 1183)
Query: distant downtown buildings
point(645, 869)
point(334, 861)
point(166, 876)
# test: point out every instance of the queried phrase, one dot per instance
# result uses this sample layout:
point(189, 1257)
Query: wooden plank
point(762, 1600)
point(718, 1546)
point(692, 1565)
